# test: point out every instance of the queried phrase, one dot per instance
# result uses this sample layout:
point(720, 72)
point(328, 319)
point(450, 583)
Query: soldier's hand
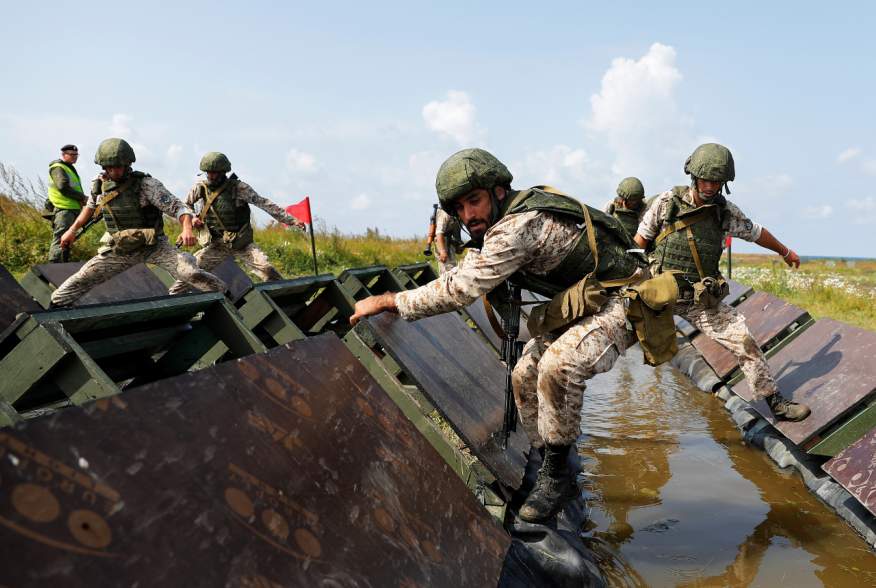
point(187, 237)
point(197, 223)
point(67, 238)
point(373, 305)
point(442, 256)
point(791, 258)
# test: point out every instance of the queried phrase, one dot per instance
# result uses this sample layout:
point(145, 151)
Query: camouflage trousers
point(726, 327)
point(107, 264)
point(551, 375)
point(61, 221)
point(215, 252)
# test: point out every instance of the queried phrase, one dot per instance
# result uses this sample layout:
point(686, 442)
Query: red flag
point(301, 211)
point(728, 241)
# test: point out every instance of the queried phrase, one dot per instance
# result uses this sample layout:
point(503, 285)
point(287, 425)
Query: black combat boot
point(553, 487)
point(786, 410)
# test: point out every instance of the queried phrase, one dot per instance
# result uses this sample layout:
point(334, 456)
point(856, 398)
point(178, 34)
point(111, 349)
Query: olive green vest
point(58, 198)
point(629, 219)
point(120, 203)
point(221, 212)
point(688, 228)
point(612, 243)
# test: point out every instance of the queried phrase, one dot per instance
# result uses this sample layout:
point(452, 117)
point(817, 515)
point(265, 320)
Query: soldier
point(132, 204)
point(688, 225)
point(629, 205)
point(448, 239)
point(545, 242)
point(65, 199)
point(224, 207)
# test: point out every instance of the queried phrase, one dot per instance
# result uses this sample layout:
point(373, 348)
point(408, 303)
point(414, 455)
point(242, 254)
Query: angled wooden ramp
point(135, 283)
point(289, 468)
point(13, 299)
point(854, 468)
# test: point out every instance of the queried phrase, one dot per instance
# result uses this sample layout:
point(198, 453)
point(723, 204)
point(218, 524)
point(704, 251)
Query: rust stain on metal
point(855, 468)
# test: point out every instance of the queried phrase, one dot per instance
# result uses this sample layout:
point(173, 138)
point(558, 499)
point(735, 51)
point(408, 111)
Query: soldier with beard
point(551, 244)
point(688, 225)
point(223, 205)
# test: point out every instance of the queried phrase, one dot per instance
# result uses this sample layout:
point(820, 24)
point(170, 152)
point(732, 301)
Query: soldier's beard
point(477, 228)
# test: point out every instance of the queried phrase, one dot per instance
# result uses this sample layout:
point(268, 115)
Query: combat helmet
point(712, 162)
point(469, 170)
point(631, 189)
point(114, 152)
point(215, 162)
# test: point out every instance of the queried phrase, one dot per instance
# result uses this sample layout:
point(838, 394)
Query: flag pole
point(729, 257)
point(312, 238)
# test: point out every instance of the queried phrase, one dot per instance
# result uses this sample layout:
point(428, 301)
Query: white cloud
point(848, 154)
point(453, 117)
point(120, 125)
point(300, 161)
point(863, 210)
point(818, 212)
point(558, 166)
point(637, 116)
point(361, 202)
point(174, 152)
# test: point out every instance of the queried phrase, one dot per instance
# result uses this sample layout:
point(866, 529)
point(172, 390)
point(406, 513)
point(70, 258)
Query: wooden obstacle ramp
point(768, 318)
point(135, 283)
point(236, 280)
point(855, 470)
point(361, 282)
point(13, 299)
point(415, 274)
point(290, 468)
point(830, 367)
point(76, 355)
point(462, 378)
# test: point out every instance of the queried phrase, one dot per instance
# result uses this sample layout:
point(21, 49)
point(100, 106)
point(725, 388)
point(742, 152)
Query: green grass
point(25, 239)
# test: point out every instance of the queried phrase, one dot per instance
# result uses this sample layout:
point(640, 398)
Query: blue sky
point(357, 104)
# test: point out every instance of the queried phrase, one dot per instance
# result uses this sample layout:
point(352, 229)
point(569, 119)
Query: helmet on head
point(631, 189)
point(469, 170)
point(712, 162)
point(215, 162)
point(114, 152)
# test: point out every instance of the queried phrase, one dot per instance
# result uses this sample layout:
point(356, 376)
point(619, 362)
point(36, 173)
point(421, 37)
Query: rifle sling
point(684, 223)
point(208, 204)
point(491, 316)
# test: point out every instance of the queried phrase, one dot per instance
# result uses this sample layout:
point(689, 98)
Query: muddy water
point(676, 499)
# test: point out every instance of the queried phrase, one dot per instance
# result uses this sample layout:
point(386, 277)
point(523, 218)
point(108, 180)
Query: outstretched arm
point(247, 194)
point(374, 305)
point(768, 241)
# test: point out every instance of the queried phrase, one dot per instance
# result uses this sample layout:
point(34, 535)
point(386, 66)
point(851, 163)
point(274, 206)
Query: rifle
point(430, 236)
point(91, 222)
point(510, 352)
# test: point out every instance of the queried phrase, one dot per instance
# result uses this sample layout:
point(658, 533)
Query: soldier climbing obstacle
point(132, 204)
point(688, 225)
point(628, 207)
point(543, 241)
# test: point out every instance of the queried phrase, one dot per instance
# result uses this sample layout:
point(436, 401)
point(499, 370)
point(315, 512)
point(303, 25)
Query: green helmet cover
point(215, 162)
point(469, 170)
point(712, 162)
point(113, 152)
point(631, 189)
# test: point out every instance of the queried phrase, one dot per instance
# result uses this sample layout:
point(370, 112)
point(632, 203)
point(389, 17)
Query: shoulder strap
point(693, 251)
point(104, 200)
point(210, 199)
point(684, 223)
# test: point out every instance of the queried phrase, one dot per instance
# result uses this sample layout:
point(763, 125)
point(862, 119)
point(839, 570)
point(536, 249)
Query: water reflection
point(677, 500)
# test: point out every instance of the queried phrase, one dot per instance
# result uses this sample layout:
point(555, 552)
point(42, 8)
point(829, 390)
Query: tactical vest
point(612, 243)
point(221, 212)
point(688, 229)
point(123, 211)
point(58, 198)
point(629, 219)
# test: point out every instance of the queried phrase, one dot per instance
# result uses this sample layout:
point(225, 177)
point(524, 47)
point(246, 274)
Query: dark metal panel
point(767, 317)
point(462, 378)
point(830, 367)
point(478, 314)
point(290, 468)
point(236, 280)
point(13, 299)
point(737, 292)
point(855, 468)
point(132, 284)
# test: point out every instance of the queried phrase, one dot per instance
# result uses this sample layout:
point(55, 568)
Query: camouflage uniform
point(722, 324)
point(449, 227)
point(550, 378)
point(107, 264)
point(216, 251)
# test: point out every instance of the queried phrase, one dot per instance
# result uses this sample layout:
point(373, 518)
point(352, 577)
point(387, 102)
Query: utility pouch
point(204, 237)
point(650, 308)
point(585, 297)
point(238, 239)
point(128, 241)
point(710, 291)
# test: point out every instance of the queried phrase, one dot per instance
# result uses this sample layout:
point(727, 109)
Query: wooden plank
point(13, 299)
point(846, 433)
point(31, 360)
point(81, 379)
point(855, 469)
point(256, 473)
point(135, 283)
point(222, 318)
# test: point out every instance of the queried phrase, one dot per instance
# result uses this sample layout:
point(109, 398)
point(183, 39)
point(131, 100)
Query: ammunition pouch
point(237, 240)
point(128, 241)
point(709, 292)
point(583, 298)
point(650, 309)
